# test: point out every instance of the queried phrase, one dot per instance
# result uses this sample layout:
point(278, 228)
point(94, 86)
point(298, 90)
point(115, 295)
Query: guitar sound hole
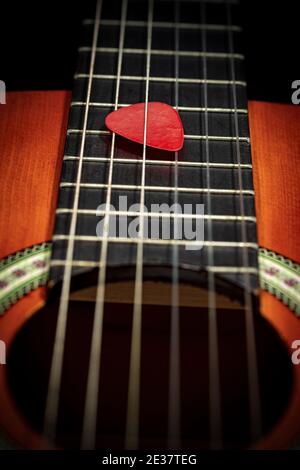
point(30, 358)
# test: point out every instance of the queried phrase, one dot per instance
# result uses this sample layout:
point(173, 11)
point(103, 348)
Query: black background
point(93, 459)
point(38, 42)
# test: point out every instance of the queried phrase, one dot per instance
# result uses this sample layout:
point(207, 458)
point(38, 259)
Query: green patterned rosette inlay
point(23, 272)
point(281, 277)
point(26, 270)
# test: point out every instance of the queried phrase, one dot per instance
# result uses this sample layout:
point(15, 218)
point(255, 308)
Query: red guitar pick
point(164, 126)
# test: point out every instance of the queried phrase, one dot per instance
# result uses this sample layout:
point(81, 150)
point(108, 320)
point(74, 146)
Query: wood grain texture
point(32, 135)
point(275, 137)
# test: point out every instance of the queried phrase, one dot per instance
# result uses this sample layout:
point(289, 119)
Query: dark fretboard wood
point(209, 60)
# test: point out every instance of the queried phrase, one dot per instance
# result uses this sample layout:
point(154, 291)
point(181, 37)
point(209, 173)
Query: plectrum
point(164, 126)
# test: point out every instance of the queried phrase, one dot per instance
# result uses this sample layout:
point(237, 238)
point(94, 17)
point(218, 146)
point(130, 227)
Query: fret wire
point(159, 188)
point(179, 108)
point(165, 24)
point(141, 241)
point(161, 162)
point(252, 369)
point(221, 269)
point(52, 398)
point(217, 269)
point(93, 212)
point(247, 270)
point(75, 263)
point(91, 401)
point(133, 403)
point(196, 81)
point(166, 52)
point(186, 136)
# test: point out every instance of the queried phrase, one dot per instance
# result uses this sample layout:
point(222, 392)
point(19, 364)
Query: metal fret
point(94, 173)
point(232, 270)
point(67, 184)
point(93, 212)
point(196, 81)
point(216, 269)
point(186, 136)
point(166, 52)
point(167, 163)
point(92, 238)
point(179, 108)
point(217, 137)
point(165, 24)
point(219, 103)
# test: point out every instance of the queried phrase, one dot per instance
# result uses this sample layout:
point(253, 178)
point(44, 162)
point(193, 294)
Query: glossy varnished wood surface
point(32, 135)
point(32, 130)
point(275, 138)
point(275, 141)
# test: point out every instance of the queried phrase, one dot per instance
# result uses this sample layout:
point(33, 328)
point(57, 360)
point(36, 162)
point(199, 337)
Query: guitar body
point(32, 149)
point(42, 137)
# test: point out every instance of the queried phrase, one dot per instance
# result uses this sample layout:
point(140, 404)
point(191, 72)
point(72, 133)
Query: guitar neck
point(186, 54)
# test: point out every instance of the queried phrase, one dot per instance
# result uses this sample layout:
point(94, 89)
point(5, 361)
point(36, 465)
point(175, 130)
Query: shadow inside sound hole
point(30, 359)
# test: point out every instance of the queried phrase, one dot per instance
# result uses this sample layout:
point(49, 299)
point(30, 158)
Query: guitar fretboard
point(196, 65)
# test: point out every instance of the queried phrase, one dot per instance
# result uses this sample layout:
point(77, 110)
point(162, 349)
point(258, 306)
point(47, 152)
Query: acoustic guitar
point(125, 341)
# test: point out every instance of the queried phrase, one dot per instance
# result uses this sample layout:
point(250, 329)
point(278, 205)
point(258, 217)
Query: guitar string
point(215, 425)
point(55, 378)
point(174, 358)
point(132, 421)
point(253, 379)
point(49, 433)
point(92, 394)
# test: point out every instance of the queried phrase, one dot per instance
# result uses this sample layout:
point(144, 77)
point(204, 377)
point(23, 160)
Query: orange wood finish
point(275, 137)
point(32, 130)
point(32, 136)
